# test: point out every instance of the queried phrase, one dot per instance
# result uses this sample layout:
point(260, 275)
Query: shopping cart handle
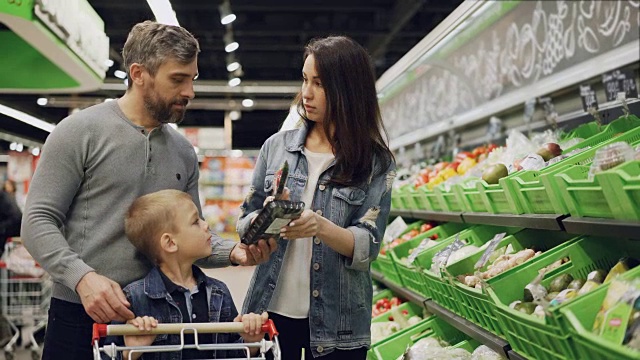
point(270, 328)
point(104, 330)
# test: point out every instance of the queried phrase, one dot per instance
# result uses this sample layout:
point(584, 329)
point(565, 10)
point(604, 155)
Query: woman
point(317, 285)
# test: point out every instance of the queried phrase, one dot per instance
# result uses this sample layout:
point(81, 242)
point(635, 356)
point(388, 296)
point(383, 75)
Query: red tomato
point(425, 227)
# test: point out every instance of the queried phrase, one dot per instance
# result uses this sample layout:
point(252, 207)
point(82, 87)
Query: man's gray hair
point(150, 44)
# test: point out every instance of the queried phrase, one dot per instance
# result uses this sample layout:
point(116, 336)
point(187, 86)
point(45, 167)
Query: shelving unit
point(474, 331)
point(572, 225)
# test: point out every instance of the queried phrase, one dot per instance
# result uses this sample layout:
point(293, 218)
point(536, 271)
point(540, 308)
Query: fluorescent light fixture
point(226, 15)
point(108, 63)
point(247, 103)
point(19, 147)
point(230, 45)
point(42, 101)
point(26, 118)
point(163, 12)
point(120, 74)
point(35, 151)
point(235, 82)
point(13, 146)
point(233, 66)
point(235, 115)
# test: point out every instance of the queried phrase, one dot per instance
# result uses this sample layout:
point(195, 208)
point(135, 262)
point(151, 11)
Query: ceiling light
point(234, 82)
point(25, 118)
point(233, 66)
point(247, 103)
point(230, 45)
point(120, 74)
point(19, 147)
point(42, 101)
point(108, 63)
point(226, 16)
point(13, 146)
point(235, 115)
point(163, 12)
point(35, 151)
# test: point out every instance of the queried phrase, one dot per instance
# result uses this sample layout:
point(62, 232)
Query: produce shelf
point(497, 344)
point(400, 291)
point(603, 227)
point(429, 215)
point(512, 355)
point(531, 221)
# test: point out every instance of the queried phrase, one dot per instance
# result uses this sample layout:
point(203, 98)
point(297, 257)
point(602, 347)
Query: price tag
point(394, 229)
point(627, 83)
point(439, 147)
point(414, 254)
point(489, 250)
point(529, 109)
point(589, 98)
point(443, 256)
point(494, 129)
point(611, 84)
point(550, 111)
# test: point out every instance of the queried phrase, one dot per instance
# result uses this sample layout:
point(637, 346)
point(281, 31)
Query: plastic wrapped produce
point(611, 156)
point(485, 353)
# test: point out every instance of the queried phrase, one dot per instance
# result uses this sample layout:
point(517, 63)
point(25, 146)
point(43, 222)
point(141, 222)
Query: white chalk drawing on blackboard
point(535, 41)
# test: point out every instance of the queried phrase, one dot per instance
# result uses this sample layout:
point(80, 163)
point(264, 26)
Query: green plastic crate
point(581, 314)
point(469, 196)
point(620, 125)
point(538, 192)
point(583, 197)
point(396, 201)
point(499, 198)
point(622, 190)
point(412, 309)
point(548, 338)
point(438, 286)
point(384, 294)
point(410, 276)
point(396, 345)
point(386, 264)
point(433, 200)
point(584, 131)
point(407, 197)
point(419, 199)
point(475, 302)
point(449, 200)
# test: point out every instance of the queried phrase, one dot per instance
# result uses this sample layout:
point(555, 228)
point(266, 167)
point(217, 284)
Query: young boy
point(166, 227)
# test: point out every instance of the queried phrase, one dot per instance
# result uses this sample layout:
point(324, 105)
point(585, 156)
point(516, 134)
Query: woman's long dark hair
point(348, 79)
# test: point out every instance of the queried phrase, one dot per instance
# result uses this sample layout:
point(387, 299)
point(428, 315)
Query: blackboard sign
point(589, 98)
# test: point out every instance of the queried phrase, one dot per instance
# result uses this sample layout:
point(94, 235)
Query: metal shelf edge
point(495, 343)
point(512, 355)
point(602, 227)
point(532, 221)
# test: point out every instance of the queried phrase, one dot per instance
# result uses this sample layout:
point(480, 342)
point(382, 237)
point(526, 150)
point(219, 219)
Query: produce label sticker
point(423, 245)
point(489, 250)
point(276, 225)
point(394, 229)
point(616, 321)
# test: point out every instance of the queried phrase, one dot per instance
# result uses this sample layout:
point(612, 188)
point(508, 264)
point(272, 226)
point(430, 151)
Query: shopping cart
point(111, 350)
point(25, 294)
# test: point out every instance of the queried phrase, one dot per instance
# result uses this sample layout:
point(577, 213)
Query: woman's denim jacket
point(341, 289)
point(149, 297)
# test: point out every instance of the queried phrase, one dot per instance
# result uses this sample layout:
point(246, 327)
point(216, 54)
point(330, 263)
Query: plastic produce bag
point(485, 353)
point(611, 156)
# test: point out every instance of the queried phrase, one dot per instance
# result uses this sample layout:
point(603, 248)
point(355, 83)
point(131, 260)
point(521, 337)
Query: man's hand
point(253, 254)
point(103, 299)
point(307, 225)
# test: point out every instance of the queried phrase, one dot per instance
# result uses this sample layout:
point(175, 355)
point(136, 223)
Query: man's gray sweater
point(93, 165)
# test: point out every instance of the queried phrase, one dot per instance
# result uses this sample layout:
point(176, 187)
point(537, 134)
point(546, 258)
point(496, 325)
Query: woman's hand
point(284, 196)
point(307, 225)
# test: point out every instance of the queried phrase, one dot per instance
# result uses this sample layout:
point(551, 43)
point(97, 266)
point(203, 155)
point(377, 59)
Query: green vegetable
point(526, 307)
point(560, 283)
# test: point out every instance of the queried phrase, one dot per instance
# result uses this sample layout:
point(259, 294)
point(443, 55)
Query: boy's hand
point(252, 326)
point(143, 324)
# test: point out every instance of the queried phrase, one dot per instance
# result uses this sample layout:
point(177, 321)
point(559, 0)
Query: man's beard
point(163, 111)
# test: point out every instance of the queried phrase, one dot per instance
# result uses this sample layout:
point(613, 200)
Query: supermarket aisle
point(237, 279)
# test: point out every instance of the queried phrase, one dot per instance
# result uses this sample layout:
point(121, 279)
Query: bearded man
point(94, 164)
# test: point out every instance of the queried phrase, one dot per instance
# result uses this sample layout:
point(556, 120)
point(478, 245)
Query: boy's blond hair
point(149, 217)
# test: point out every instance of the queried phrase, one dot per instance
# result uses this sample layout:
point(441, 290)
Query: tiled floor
point(236, 278)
